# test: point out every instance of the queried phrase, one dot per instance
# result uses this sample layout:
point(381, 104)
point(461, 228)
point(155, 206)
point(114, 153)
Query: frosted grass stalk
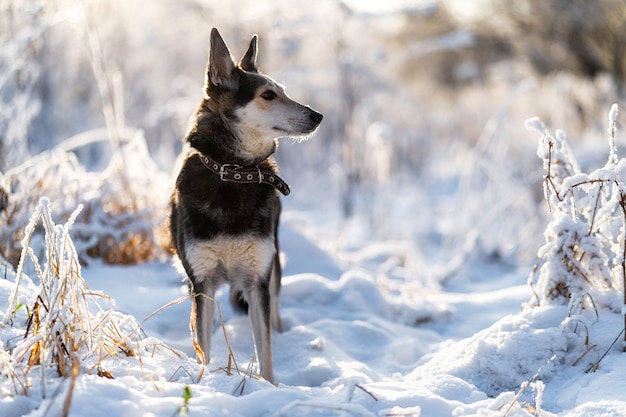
point(613, 113)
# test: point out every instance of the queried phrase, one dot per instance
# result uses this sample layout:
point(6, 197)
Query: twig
point(622, 203)
point(586, 329)
point(166, 306)
point(584, 354)
point(596, 365)
point(366, 391)
point(525, 385)
point(192, 325)
point(593, 216)
point(68, 397)
point(248, 374)
point(548, 178)
point(139, 358)
point(231, 355)
point(185, 370)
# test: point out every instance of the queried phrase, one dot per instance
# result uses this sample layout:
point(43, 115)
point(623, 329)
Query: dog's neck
point(253, 149)
point(227, 156)
point(212, 136)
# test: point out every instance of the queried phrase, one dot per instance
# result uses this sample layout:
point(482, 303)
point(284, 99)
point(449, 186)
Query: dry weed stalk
point(526, 384)
point(10, 369)
point(68, 328)
point(196, 345)
point(110, 94)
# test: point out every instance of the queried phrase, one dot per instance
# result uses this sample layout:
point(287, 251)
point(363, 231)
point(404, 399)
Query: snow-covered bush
point(584, 251)
point(124, 205)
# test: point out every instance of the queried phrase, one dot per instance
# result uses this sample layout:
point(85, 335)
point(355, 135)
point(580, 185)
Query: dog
point(225, 207)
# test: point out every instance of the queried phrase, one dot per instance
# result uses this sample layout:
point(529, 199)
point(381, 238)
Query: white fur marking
point(255, 130)
point(262, 122)
point(245, 254)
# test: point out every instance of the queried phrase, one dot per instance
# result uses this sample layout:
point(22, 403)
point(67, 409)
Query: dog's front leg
point(274, 290)
point(205, 310)
point(258, 298)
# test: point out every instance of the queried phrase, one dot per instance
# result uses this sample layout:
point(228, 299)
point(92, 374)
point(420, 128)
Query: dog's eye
point(268, 95)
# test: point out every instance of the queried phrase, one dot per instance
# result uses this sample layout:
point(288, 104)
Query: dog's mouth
point(311, 130)
point(301, 130)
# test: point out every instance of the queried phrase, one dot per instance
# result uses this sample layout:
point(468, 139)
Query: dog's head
point(253, 104)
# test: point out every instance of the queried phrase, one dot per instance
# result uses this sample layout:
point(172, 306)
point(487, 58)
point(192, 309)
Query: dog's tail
point(238, 301)
point(166, 234)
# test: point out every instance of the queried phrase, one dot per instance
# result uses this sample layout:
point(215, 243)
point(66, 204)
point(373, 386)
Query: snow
point(536, 124)
point(348, 348)
point(428, 301)
point(613, 113)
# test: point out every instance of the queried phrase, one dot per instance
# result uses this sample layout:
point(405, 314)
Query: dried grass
point(123, 216)
point(68, 328)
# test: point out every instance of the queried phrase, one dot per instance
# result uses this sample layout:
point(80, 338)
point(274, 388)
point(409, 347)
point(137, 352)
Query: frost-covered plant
point(124, 205)
point(68, 329)
point(21, 24)
point(584, 250)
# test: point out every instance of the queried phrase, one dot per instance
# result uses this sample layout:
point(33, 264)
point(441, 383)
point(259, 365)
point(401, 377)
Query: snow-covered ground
point(355, 343)
point(409, 285)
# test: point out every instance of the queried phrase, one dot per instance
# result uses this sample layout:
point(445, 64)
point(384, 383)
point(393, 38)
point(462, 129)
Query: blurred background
point(422, 148)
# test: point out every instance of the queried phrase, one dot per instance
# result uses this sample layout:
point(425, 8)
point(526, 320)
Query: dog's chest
point(210, 207)
point(237, 255)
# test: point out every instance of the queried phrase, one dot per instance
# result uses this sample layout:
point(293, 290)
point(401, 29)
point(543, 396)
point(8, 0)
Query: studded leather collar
point(245, 174)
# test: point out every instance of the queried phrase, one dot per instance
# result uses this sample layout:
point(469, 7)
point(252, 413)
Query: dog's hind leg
point(258, 298)
point(203, 294)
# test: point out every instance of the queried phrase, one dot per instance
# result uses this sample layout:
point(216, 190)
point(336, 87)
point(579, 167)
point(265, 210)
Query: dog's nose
point(316, 117)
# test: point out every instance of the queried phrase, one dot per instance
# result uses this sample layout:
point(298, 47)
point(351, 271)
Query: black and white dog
point(225, 206)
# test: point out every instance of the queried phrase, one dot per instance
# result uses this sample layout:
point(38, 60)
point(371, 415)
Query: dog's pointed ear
point(248, 61)
point(221, 65)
